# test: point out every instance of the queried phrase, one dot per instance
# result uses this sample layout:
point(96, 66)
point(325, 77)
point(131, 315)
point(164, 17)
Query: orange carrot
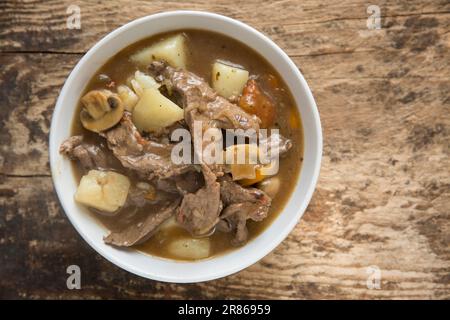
point(253, 100)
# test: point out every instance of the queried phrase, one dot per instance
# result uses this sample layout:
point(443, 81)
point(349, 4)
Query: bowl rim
point(287, 228)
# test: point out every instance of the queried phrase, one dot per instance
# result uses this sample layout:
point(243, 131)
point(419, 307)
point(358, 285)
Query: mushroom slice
point(102, 110)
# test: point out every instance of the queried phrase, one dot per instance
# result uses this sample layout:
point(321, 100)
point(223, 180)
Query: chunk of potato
point(169, 224)
point(171, 50)
point(243, 160)
point(103, 190)
point(258, 176)
point(270, 186)
point(190, 248)
point(128, 97)
point(245, 166)
point(228, 80)
point(142, 81)
point(154, 111)
point(145, 81)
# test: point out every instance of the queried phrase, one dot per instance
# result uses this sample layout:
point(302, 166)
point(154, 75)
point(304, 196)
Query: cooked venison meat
point(167, 185)
point(241, 204)
point(136, 198)
point(199, 212)
point(142, 230)
point(189, 182)
point(89, 155)
point(148, 158)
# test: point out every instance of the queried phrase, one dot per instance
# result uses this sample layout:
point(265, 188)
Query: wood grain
point(383, 197)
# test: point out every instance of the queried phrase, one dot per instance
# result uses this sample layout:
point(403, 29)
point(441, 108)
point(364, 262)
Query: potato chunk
point(228, 80)
point(154, 111)
point(103, 190)
point(171, 50)
point(128, 97)
point(245, 166)
point(170, 223)
point(190, 248)
point(142, 81)
point(243, 160)
point(270, 186)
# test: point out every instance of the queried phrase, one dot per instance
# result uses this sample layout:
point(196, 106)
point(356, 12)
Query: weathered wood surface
point(383, 197)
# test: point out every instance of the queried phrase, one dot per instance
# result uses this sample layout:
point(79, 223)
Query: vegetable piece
point(255, 101)
point(103, 190)
point(271, 186)
point(171, 50)
point(243, 160)
point(142, 81)
point(261, 173)
point(258, 176)
point(228, 79)
point(190, 248)
point(169, 224)
point(145, 81)
point(136, 87)
point(154, 111)
point(245, 167)
point(102, 110)
point(128, 97)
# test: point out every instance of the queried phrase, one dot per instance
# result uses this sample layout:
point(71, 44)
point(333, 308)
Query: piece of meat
point(189, 182)
point(89, 155)
point(148, 158)
point(143, 193)
point(167, 185)
point(234, 219)
point(241, 204)
point(141, 231)
point(199, 211)
point(136, 198)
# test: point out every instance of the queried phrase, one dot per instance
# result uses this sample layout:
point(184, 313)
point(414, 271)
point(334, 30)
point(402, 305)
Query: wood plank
point(305, 26)
point(28, 96)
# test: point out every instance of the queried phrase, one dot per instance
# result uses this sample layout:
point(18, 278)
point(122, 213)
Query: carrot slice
point(254, 101)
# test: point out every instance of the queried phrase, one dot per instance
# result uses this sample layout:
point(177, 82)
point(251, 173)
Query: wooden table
point(383, 199)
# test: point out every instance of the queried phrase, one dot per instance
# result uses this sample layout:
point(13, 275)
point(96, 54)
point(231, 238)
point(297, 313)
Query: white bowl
point(154, 267)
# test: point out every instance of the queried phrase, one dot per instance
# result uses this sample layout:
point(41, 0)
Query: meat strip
point(148, 158)
point(140, 232)
point(90, 156)
point(240, 205)
point(199, 211)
